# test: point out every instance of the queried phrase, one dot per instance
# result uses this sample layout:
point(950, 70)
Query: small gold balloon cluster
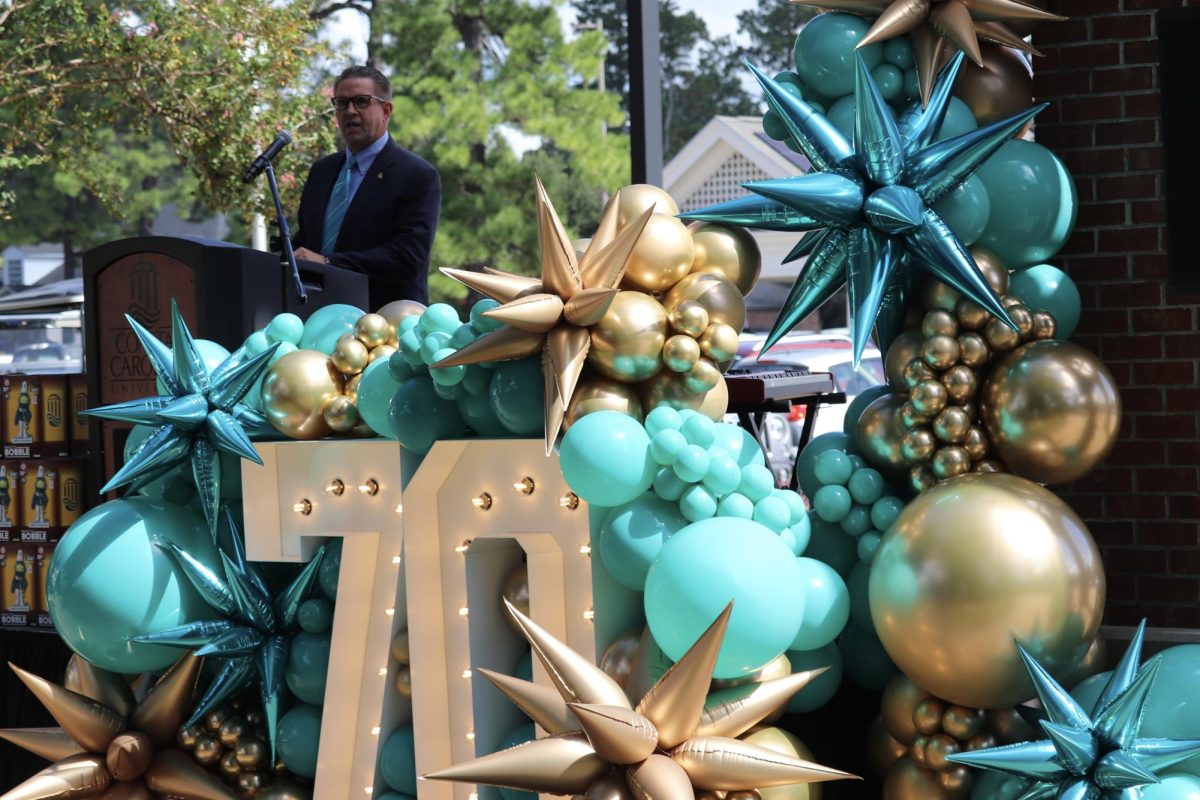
point(373, 338)
point(403, 672)
point(948, 362)
point(231, 742)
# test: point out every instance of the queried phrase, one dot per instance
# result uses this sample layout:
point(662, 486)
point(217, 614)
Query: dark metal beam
point(645, 92)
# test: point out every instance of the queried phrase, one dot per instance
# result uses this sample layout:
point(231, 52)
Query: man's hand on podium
point(304, 254)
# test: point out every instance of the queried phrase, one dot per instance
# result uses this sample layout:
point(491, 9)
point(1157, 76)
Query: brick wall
point(1143, 505)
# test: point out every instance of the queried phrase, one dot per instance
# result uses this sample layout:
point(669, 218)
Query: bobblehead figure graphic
point(5, 497)
point(40, 499)
point(23, 415)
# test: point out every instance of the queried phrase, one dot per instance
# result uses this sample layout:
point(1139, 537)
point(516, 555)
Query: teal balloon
point(477, 380)
point(524, 667)
point(857, 520)
point(723, 475)
point(825, 50)
point(832, 503)
point(325, 325)
point(330, 569)
point(418, 417)
point(285, 327)
point(774, 127)
point(211, 353)
point(447, 376)
point(605, 458)
point(912, 84)
point(1043, 287)
point(826, 605)
point(256, 343)
point(109, 582)
point(807, 460)
point(699, 430)
point(868, 546)
point(735, 505)
point(797, 511)
point(884, 512)
point(997, 786)
point(308, 666)
point(841, 114)
point(802, 530)
point(395, 796)
point(398, 761)
point(866, 486)
point(958, 120)
point(477, 412)
point(432, 344)
point(522, 735)
point(315, 615)
point(898, 52)
point(859, 404)
point(1089, 691)
point(860, 602)
point(176, 486)
point(772, 512)
point(298, 739)
point(890, 80)
point(666, 444)
point(375, 390)
point(1173, 708)
point(829, 543)
point(661, 419)
point(439, 318)
point(756, 483)
point(867, 663)
point(634, 533)
point(821, 690)
point(517, 396)
point(669, 486)
point(1173, 786)
point(1033, 203)
point(738, 443)
point(710, 563)
point(697, 503)
point(691, 463)
point(481, 323)
point(966, 210)
point(833, 467)
point(463, 335)
point(408, 323)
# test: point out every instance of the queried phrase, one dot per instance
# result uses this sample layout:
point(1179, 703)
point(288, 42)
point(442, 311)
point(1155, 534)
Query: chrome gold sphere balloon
point(207, 750)
point(1052, 411)
point(938, 748)
point(939, 323)
point(951, 424)
point(904, 348)
point(680, 353)
point(715, 404)
point(341, 415)
point(973, 350)
point(961, 383)
point(916, 751)
point(383, 351)
point(373, 330)
point(283, 790)
point(250, 783)
point(935, 294)
point(601, 394)
point(350, 389)
point(917, 371)
point(940, 351)
point(716, 293)
point(962, 723)
point(921, 478)
point(928, 398)
point(252, 753)
point(350, 356)
point(918, 446)
point(296, 390)
point(689, 318)
point(927, 716)
point(228, 765)
point(1023, 319)
point(992, 267)
point(981, 741)
point(1044, 325)
point(1009, 726)
point(662, 255)
point(974, 563)
point(900, 698)
point(636, 198)
point(627, 342)
point(397, 310)
point(988, 465)
point(726, 250)
point(403, 681)
point(617, 660)
point(880, 433)
point(911, 419)
point(1000, 337)
point(610, 787)
point(719, 342)
point(956, 779)
point(231, 732)
point(907, 781)
point(667, 389)
point(399, 647)
point(1011, 301)
point(515, 590)
point(187, 737)
point(1095, 661)
point(214, 718)
point(883, 749)
point(702, 377)
point(950, 462)
point(970, 315)
point(976, 443)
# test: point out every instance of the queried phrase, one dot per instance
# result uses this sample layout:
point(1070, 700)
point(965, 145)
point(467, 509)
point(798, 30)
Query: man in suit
point(374, 207)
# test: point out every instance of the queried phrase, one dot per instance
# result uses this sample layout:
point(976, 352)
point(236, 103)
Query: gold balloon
point(399, 647)
point(900, 698)
point(252, 753)
point(1009, 726)
point(906, 781)
point(249, 783)
point(956, 780)
point(228, 765)
point(680, 353)
point(350, 389)
point(632, 200)
point(214, 718)
point(340, 414)
point(719, 342)
point(981, 741)
point(627, 342)
point(382, 351)
point(601, 394)
point(667, 389)
point(882, 748)
point(962, 723)
point(295, 392)
point(1023, 319)
point(974, 563)
point(928, 398)
point(129, 755)
point(702, 377)
point(689, 317)
point(397, 310)
point(910, 419)
point(916, 751)
point(940, 351)
point(716, 293)
point(935, 294)
point(918, 446)
point(1011, 301)
point(976, 443)
point(283, 790)
point(970, 315)
point(927, 716)
point(880, 432)
point(938, 748)
point(921, 478)
point(610, 787)
point(951, 425)
point(403, 681)
point(1000, 337)
point(1000, 88)
point(515, 591)
point(1095, 661)
point(904, 348)
point(781, 741)
point(939, 323)
point(187, 737)
point(350, 356)
point(662, 256)
point(960, 383)
point(726, 250)
point(715, 404)
point(231, 732)
point(916, 370)
point(949, 462)
point(1052, 411)
point(617, 660)
point(1044, 326)
point(992, 268)
point(988, 465)
point(973, 350)
point(207, 750)
point(373, 330)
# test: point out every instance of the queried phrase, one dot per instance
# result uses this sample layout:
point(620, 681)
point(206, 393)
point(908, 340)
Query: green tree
point(770, 29)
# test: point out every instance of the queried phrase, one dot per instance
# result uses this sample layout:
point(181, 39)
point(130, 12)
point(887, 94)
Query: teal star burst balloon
point(1096, 756)
point(254, 634)
point(199, 419)
point(867, 204)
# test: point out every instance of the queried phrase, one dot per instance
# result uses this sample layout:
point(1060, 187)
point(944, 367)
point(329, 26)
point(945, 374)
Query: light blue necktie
point(335, 211)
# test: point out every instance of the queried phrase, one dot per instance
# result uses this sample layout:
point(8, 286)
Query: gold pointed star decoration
point(674, 744)
point(118, 749)
point(940, 27)
point(552, 315)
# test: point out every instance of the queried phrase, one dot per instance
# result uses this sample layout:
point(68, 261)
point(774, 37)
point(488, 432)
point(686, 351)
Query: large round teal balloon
point(517, 395)
point(825, 51)
point(738, 443)
point(826, 605)
point(523, 734)
point(958, 120)
point(375, 390)
point(477, 412)
point(109, 581)
point(867, 663)
point(286, 327)
point(308, 666)
point(860, 597)
point(829, 543)
point(1043, 287)
point(1173, 707)
point(633, 534)
point(325, 325)
point(398, 761)
point(966, 210)
point(806, 462)
point(211, 353)
point(1173, 786)
point(330, 569)
point(418, 417)
point(704, 567)
point(174, 487)
point(298, 739)
point(822, 689)
point(605, 458)
point(997, 786)
point(1033, 203)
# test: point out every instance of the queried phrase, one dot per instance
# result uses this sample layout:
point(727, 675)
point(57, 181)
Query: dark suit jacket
point(389, 227)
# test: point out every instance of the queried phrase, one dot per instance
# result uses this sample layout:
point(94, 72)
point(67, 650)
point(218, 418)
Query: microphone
point(282, 140)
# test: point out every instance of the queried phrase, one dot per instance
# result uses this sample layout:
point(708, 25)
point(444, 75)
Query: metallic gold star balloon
point(254, 635)
point(551, 316)
point(200, 419)
point(1089, 755)
point(102, 752)
point(873, 197)
point(939, 27)
point(675, 743)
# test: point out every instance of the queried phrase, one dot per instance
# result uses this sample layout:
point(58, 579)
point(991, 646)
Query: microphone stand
point(289, 257)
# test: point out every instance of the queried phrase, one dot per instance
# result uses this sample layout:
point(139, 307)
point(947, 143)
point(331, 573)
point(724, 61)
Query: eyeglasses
point(360, 101)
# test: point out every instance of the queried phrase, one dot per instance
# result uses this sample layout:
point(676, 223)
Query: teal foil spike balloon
point(1090, 754)
point(866, 206)
point(200, 420)
point(252, 637)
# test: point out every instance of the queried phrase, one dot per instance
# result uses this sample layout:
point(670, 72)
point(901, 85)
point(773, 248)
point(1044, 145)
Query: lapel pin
point(379, 176)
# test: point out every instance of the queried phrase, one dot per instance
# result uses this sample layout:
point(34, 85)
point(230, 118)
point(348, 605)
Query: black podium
point(224, 291)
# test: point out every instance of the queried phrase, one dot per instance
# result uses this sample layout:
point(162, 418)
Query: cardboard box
point(10, 501)
point(18, 583)
point(40, 494)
